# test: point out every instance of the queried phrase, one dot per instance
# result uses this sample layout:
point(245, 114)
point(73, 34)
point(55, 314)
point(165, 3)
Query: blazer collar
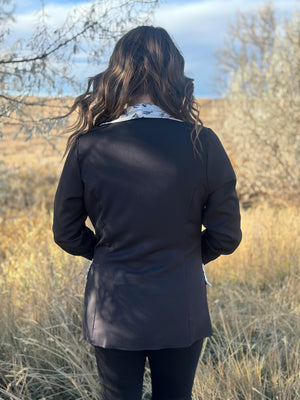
point(142, 110)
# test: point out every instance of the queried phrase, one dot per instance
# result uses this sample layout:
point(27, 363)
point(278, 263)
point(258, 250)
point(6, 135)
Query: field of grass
point(254, 300)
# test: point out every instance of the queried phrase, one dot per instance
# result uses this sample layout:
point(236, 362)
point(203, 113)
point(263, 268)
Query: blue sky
point(197, 26)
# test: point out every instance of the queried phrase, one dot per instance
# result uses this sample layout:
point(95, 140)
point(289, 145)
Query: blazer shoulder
point(97, 130)
point(84, 140)
point(208, 134)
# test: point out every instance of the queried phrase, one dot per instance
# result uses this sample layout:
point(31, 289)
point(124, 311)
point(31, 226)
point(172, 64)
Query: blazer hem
point(140, 348)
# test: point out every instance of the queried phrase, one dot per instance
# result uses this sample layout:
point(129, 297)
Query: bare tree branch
point(45, 64)
point(261, 62)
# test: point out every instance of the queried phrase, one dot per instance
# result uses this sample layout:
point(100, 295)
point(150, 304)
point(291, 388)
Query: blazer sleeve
point(69, 228)
point(221, 213)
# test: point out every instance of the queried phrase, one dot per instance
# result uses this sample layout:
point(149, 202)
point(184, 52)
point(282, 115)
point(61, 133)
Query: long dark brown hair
point(144, 61)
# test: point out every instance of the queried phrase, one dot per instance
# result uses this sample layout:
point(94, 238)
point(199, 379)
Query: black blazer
point(147, 195)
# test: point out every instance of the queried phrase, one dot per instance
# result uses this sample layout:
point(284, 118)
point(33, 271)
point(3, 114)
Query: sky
point(198, 28)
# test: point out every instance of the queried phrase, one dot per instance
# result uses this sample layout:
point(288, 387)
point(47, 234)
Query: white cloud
point(56, 14)
point(204, 22)
point(199, 27)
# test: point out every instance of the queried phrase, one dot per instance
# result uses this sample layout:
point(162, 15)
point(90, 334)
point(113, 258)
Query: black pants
point(172, 372)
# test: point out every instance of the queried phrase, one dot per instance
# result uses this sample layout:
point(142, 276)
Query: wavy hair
point(144, 61)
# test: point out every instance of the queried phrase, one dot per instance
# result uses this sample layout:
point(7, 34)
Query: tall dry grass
point(254, 302)
point(254, 353)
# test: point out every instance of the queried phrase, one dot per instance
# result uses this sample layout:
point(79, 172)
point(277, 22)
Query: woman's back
point(143, 175)
point(148, 185)
point(144, 191)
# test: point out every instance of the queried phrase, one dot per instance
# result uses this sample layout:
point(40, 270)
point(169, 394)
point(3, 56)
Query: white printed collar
point(142, 110)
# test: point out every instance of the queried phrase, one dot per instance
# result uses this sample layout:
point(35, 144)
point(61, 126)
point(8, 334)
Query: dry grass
point(254, 301)
point(254, 353)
